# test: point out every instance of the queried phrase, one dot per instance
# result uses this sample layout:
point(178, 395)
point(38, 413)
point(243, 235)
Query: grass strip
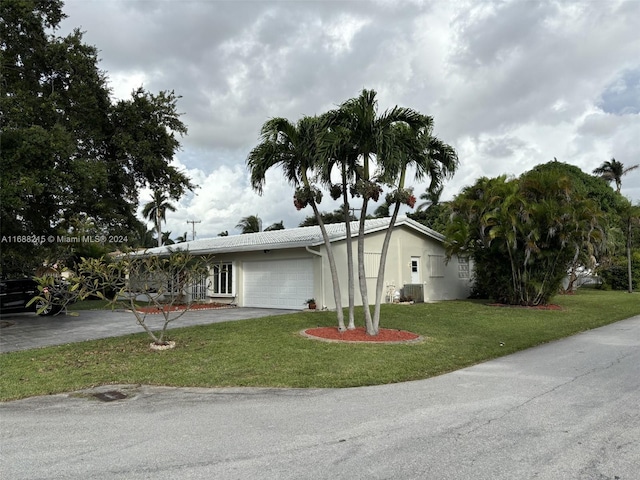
point(269, 352)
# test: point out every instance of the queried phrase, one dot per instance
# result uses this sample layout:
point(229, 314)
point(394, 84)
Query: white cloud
point(510, 84)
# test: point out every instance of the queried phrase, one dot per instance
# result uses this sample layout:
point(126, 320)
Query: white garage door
point(278, 283)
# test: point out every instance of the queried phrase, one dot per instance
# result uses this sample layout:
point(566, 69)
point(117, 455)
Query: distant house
point(284, 268)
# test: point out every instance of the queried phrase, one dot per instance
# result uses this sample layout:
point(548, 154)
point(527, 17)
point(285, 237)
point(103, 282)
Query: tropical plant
point(156, 211)
point(337, 216)
point(613, 171)
point(523, 234)
point(430, 197)
point(166, 239)
point(143, 237)
point(293, 147)
point(140, 283)
point(275, 226)
point(612, 205)
point(413, 147)
point(250, 224)
point(435, 216)
point(370, 138)
point(337, 152)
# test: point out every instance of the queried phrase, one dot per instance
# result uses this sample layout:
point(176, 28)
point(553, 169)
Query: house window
point(463, 268)
point(436, 265)
point(222, 279)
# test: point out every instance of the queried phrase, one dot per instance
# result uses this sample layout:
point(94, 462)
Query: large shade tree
point(69, 150)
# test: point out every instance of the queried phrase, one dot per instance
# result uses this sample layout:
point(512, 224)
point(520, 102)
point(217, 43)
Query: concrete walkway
point(565, 410)
point(23, 331)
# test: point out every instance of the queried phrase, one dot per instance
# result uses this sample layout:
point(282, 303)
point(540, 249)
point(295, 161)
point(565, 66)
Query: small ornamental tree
point(140, 283)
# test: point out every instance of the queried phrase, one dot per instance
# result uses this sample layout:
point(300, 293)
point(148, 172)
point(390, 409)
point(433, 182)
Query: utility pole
point(193, 227)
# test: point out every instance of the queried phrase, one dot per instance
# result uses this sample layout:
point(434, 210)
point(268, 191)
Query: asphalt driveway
point(23, 331)
point(564, 410)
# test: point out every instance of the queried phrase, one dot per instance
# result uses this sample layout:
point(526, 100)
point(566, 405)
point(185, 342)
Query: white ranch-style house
point(284, 268)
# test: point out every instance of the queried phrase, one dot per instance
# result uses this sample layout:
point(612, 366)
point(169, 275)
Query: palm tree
point(156, 211)
point(431, 198)
point(337, 151)
point(143, 237)
point(250, 224)
point(613, 171)
point(415, 147)
point(293, 147)
point(371, 137)
point(275, 226)
point(166, 238)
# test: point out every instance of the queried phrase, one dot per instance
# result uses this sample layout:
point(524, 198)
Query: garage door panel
point(278, 283)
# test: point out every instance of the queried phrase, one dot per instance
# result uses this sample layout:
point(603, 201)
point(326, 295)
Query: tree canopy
point(523, 234)
point(68, 150)
point(368, 150)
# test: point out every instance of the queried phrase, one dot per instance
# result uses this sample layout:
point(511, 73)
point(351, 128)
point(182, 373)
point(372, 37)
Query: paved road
point(23, 331)
point(564, 410)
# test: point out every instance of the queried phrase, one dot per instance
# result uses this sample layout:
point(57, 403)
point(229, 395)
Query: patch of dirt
point(178, 308)
point(359, 335)
point(549, 306)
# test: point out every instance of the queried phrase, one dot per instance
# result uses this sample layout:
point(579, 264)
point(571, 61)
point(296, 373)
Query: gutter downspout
point(324, 305)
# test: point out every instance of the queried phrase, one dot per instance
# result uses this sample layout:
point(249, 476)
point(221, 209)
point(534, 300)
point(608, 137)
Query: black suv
point(16, 293)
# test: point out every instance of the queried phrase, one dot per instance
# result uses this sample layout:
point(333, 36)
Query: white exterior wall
point(405, 244)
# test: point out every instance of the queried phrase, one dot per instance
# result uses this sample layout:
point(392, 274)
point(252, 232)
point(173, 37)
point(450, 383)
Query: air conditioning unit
point(412, 292)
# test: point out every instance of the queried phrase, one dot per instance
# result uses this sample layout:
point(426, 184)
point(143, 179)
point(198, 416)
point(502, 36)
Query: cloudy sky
point(510, 84)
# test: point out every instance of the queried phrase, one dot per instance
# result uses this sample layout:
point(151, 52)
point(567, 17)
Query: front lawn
point(269, 352)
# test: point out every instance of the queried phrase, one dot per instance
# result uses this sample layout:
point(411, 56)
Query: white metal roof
point(290, 238)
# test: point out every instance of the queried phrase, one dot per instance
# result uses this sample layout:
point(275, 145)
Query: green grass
point(269, 352)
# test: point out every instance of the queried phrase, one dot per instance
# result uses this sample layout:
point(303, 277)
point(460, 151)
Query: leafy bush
point(615, 277)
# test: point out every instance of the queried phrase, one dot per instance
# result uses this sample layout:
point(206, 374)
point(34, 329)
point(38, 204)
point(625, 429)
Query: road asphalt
point(564, 410)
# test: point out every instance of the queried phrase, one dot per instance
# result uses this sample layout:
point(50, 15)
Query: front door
point(415, 270)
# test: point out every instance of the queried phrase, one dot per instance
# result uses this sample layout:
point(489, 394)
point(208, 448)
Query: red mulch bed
point(550, 306)
point(360, 335)
point(178, 308)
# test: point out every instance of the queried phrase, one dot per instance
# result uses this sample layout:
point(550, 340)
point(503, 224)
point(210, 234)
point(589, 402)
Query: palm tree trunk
point(362, 274)
point(381, 267)
point(337, 294)
point(347, 220)
point(159, 226)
